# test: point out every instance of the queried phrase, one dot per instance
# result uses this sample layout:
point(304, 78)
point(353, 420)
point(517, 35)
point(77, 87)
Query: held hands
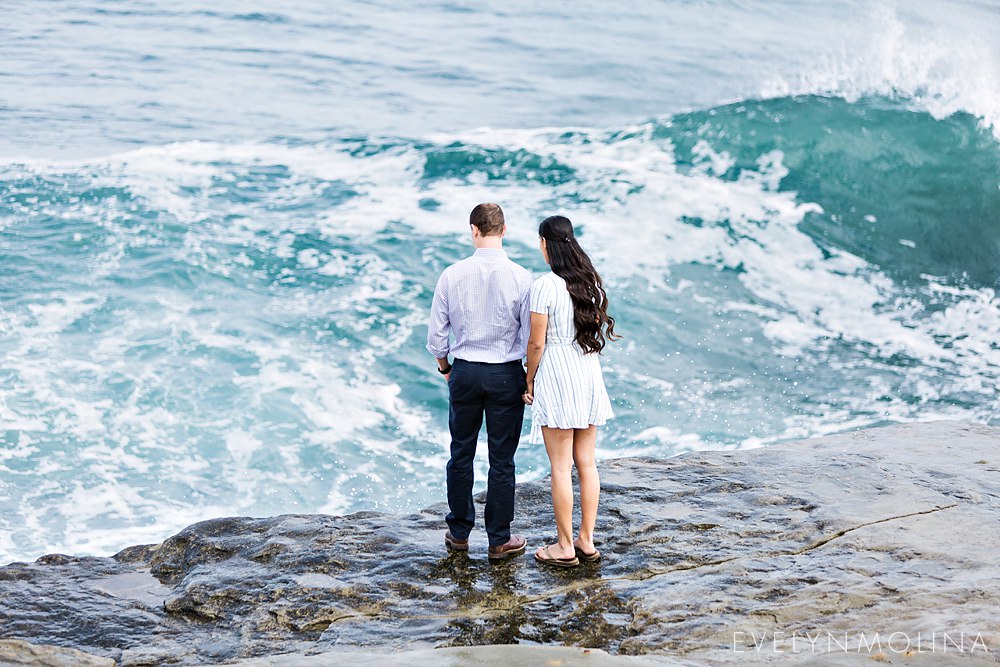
point(529, 396)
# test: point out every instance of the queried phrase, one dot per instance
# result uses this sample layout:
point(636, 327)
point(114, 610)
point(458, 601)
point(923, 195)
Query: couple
point(496, 315)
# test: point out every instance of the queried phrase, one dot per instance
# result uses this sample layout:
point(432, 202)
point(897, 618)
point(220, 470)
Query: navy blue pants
point(475, 390)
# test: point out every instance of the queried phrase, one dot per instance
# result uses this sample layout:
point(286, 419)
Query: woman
point(569, 327)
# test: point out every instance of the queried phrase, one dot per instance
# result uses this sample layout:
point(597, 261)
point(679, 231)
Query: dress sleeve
point(542, 296)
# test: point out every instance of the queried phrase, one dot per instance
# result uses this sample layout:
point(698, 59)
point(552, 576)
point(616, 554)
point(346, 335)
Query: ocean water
point(220, 227)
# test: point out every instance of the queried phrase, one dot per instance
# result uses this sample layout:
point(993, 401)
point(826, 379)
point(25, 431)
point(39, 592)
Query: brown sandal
point(557, 562)
point(585, 557)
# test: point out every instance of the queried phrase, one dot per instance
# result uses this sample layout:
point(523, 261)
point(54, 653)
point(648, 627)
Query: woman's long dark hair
point(594, 327)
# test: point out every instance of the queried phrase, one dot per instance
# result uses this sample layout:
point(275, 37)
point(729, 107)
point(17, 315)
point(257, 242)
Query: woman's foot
point(557, 551)
point(557, 556)
point(585, 550)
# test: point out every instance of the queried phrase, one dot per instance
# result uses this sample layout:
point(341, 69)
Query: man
point(483, 301)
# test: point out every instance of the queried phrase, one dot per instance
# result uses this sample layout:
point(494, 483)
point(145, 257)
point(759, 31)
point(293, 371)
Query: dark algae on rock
point(701, 552)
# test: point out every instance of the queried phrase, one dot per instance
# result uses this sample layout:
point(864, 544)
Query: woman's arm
point(536, 345)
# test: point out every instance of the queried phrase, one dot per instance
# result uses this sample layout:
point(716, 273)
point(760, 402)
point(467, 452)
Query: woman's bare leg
point(584, 453)
point(559, 447)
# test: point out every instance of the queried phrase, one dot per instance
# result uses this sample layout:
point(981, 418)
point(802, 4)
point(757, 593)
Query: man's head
point(487, 224)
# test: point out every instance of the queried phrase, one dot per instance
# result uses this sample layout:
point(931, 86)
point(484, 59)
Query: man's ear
point(503, 231)
point(475, 230)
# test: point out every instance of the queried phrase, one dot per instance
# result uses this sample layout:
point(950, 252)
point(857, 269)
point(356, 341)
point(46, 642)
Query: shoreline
point(711, 557)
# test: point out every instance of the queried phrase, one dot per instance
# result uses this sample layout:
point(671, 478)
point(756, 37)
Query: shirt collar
point(490, 253)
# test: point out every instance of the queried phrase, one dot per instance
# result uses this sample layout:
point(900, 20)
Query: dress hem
point(535, 435)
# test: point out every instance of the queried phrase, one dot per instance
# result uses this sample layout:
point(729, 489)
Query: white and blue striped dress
point(569, 385)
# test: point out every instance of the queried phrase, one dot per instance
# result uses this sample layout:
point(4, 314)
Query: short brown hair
point(488, 218)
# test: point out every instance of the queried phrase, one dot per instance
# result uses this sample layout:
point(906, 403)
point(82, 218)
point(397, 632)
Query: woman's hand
point(529, 395)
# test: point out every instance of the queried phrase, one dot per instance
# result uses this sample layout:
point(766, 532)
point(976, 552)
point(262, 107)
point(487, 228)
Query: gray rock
point(709, 557)
point(20, 653)
point(467, 656)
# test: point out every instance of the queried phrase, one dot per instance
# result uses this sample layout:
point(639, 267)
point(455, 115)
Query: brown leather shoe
point(514, 547)
point(455, 545)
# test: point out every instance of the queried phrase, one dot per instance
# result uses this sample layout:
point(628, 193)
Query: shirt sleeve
point(439, 326)
point(542, 296)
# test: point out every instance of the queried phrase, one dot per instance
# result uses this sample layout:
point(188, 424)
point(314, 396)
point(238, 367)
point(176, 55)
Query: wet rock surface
point(884, 530)
point(15, 652)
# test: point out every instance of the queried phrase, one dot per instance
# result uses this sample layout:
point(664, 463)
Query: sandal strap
point(558, 560)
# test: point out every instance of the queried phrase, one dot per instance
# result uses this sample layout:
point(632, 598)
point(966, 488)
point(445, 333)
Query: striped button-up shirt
point(483, 302)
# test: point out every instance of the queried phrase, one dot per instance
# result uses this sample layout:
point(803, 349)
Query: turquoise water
point(219, 233)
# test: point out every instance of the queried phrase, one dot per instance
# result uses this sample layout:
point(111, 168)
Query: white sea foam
point(620, 221)
point(944, 62)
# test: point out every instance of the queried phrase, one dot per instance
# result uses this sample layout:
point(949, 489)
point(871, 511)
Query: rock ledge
point(710, 557)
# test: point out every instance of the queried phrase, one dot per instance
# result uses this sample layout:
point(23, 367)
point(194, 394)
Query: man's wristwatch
point(444, 371)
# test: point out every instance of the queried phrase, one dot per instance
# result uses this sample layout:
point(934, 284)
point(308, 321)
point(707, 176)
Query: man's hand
point(529, 395)
point(444, 365)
